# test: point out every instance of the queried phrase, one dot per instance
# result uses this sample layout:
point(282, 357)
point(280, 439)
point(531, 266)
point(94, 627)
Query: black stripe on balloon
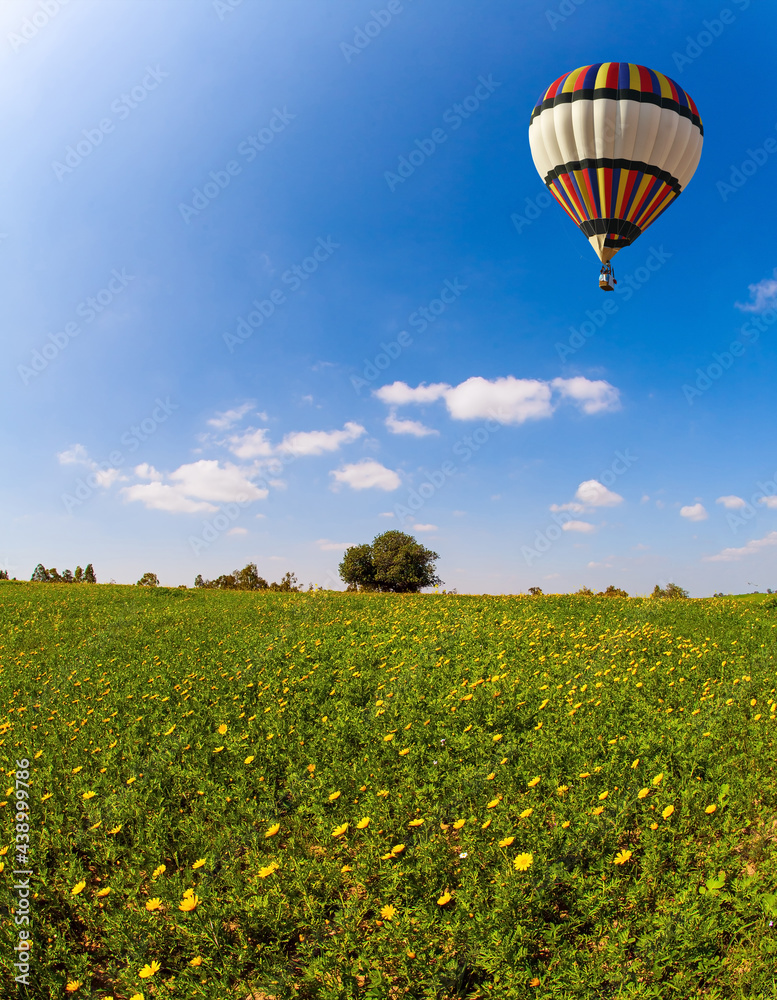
point(590, 163)
point(612, 94)
point(627, 231)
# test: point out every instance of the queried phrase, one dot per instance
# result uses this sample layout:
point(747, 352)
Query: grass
point(324, 795)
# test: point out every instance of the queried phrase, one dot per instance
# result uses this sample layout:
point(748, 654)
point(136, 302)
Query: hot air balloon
point(615, 143)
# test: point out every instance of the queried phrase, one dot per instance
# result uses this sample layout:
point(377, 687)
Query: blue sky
point(177, 176)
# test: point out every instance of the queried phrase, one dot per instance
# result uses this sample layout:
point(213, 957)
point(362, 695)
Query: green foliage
point(613, 591)
point(248, 579)
point(535, 591)
point(148, 580)
point(43, 575)
point(671, 591)
point(394, 563)
point(165, 726)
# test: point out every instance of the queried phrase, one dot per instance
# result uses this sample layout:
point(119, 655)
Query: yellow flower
point(526, 812)
point(397, 849)
point(490, 777)
point(506, 842)
point(389, 737)
point(643, 792)
point(78, 887)
point(565, 824)
point(47, 796)
point(130, 780)
point(603, 795)
point(585, 774)
point(387, 912)
point(403, 753)
point(523, 861)
point(561, 789)
point(492, 803)
point(635, 763)
point(136, 996)
point(533, 782)
point(382, 794)
point(339, 830)
point(657, 779)
point(217, 749)
point(345, 868)
point(116, 828)
point(189, 902)
point(459, 824)
point(598, 810)
point(654, 826)
point(88, 795)
point(363, 823)
point(72, 986)
point(415, 822)
point(197, 960)
point(149, 970)
point(153, 904)
point(159, 871)
point(622, 858)
point(198, 864)
point(445, 898)
point(170, 730)
point(273, 830)
point(77, 769)
point(104, 892)
point(248, 759)
point(667, 812)
point(38, 754)
point(485, 826)
point(711, 809)
point(333, 796)
point(222, 729)
point(265, 872)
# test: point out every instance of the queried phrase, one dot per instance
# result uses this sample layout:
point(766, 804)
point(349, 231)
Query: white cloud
point(507, 400)
point(752, 547)
point(386, 513)
point(694, 512)
point(207, 480)
point(107, 477)
point(582, 526)
point(594, 396)
point(326, 546)
point(238, 531)
point(576, 508)
point(732, 502)
point(425, 527)
point(593, 494)
point(158, 496)
point(365, 475)
point(763, 295)
point(317, 442)
point(645, 498)
point(770, 502)
point(414, 427)
point(399, 393)
point(146, 471)
point(600, 565)
point(223, 421)
point(77, 455)
point(251, 444)
point(639, 547)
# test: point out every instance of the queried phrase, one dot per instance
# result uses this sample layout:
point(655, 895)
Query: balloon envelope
point(615, 143)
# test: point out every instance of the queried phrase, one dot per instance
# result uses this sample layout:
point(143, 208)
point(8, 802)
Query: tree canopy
point(248, 579)
point(394, 563)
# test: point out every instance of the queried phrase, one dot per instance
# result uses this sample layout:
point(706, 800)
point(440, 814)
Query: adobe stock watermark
point(103, 474)
point(420, 320)
point(294, 277)
point(464, 449)
point(249, 149)
point(756, 158)
point(88, 311)
point(626, 287)
point(455, 116)
point(740, 515)
point(545, 538)
point(122, 107)
point(562, 12)
point(363, 36)
point(30, 26)
point(224, 7)
point(749, 333)
point(710, 30)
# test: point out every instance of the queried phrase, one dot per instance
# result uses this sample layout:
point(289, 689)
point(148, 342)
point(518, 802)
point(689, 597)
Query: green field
point(324, 795)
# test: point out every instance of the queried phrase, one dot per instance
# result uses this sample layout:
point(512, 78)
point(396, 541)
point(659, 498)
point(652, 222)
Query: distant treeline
point(248, 579)
point(43, 575)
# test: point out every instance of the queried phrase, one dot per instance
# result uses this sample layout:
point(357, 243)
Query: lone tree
point(672, 591)
point(148, 580)
point(395, 563)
